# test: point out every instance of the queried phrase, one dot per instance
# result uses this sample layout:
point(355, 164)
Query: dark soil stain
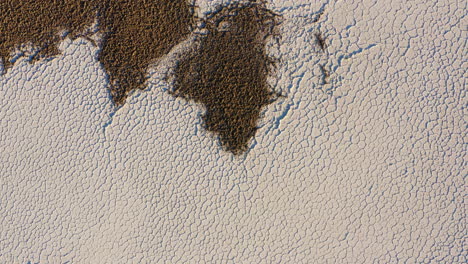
point(228, 74)
point(320, 41)
point(38, 22)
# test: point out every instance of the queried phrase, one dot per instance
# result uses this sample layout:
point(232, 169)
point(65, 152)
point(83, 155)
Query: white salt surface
point(368, 168)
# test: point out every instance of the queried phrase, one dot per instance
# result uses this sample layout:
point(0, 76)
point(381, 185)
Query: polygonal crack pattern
point(227, 73)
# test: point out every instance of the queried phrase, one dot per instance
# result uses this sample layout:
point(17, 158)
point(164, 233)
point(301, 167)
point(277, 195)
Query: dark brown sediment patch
point(228, 73)
point(38, 22)
point(136, 32)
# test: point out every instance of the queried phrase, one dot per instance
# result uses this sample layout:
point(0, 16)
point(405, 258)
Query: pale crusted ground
point(368, 168)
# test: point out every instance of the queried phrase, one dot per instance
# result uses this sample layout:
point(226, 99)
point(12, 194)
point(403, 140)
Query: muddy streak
point(228, 74)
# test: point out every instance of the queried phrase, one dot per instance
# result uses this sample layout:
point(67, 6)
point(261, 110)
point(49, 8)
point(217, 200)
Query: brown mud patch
point(38, 23)
point(228, 73)
point(136, 32)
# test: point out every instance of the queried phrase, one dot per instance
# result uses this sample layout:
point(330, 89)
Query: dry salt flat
point(367, 165)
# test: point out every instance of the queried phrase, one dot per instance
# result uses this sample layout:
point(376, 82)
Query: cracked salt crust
point(368, 168)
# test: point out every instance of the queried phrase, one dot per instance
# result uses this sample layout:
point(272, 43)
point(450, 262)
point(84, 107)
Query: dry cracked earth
point(233, 131)
point(227, 73)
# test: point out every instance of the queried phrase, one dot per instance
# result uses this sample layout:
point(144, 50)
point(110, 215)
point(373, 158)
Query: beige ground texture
point(362, 160)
